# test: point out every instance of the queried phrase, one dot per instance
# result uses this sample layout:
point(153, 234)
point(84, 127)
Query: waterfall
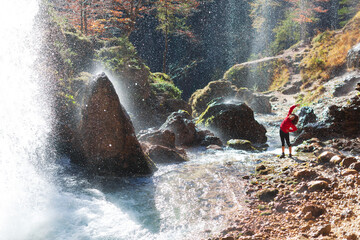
point(24, 126)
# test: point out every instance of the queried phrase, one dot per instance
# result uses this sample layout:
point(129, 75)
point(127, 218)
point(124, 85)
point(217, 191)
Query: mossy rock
point(241, 144)
point(200, 99)
point(256, 75)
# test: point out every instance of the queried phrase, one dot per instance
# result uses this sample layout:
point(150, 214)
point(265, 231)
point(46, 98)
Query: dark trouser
point(284, 136)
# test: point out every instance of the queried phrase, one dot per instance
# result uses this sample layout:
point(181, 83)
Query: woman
point(287, 126)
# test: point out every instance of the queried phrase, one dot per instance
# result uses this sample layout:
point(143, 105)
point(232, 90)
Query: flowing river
point(45, 197)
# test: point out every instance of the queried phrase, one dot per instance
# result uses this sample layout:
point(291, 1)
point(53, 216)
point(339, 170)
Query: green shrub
point(166, 88)
point(287, 33)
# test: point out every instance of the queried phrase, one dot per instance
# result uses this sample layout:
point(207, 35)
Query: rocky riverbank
point(312, 195)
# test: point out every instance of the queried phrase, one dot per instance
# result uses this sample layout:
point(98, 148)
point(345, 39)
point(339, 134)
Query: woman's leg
point(287, 138)
point(282, 138)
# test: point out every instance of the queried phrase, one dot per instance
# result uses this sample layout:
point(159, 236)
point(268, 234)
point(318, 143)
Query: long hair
point(296, 119)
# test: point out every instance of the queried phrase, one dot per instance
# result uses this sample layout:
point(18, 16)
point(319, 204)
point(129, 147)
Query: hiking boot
point(282, 155)
point(290, 156)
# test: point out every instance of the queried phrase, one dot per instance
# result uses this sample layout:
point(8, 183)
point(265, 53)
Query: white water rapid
point(46, 198)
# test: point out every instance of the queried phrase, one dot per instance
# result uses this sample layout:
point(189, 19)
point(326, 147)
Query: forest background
point(196, 41)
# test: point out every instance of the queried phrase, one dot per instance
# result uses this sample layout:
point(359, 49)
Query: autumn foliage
point(305, 9)
point(106, 18)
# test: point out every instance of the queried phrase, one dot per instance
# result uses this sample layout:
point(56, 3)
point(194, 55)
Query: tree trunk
point(166, 37)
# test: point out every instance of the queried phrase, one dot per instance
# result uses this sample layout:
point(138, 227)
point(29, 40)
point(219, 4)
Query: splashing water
point(46, 198)
point(24, 126)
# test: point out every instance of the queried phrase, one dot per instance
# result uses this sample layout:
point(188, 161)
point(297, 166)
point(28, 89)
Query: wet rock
point(267, 195)
point(346, 162)
point(325, 157)
point(181, 124)
point(317, 185)
point(241, 144)
point(214, 147)
point(260, 167)
point(355, 166)
point(207, 138)
point(106, 137)
point(161, 154)
point(305, 174)
point(159, 137)
point(233, 121)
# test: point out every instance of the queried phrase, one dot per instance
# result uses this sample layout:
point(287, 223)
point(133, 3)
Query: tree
point(348, 8)
point(125, 13)
point(304, 12)
point(86, 15)
point(172, 16)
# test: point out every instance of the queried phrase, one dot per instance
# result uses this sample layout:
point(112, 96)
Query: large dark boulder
point(233, 121)
point(106, 140)
point(340, 121)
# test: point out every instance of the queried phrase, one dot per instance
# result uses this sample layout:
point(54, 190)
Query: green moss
point(159, 77)
point(265, 213)
point(118, 54)
point(166, 88)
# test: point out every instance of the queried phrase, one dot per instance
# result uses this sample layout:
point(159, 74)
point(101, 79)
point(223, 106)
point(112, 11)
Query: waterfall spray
point(25, 125)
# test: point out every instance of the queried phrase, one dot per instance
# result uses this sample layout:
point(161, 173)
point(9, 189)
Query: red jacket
point(287, 126)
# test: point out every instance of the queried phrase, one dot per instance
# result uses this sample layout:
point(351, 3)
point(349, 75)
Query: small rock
point(305, 174)
point(317, 185)
point(346, 162)
point(260, 167)
point(228, 238)
point(214, 147)
point(325, 157)
point(241, 144)
point(355, 166)
point(308, 216)
point(323, 230)
point(267, 195)
point(315, 210)
point(280, 207)
point(348, 172)
point(352, 236)
point(336, 159)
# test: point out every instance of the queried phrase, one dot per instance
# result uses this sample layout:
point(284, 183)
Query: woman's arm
point(292, 109)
